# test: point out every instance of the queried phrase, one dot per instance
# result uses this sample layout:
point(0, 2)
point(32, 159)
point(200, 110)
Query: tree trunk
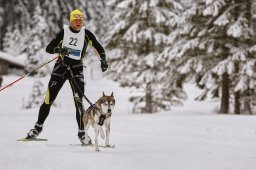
point(237, 103)
point(247, 107)
point(237, 94)
point(247, 103)
point(248, 14)
point(224, 108)
point(149, 99)
point(247, 100)
point(236, 16)
point(149, 104)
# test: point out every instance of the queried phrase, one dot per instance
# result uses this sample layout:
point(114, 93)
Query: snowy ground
point(188, 138)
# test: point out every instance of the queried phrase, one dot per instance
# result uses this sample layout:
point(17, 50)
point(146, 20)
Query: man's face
point(76, 24)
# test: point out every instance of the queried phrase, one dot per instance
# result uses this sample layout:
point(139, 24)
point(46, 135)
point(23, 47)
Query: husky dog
point(97, 116)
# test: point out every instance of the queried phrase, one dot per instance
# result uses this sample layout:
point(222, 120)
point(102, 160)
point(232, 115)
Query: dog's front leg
point(96, 130)
point(107, 125)
point(86, 127)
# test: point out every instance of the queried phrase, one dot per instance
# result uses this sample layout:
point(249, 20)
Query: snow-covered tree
point(25, 18)
point(16, 19)
point(37, 39)
point(36, 95)
point(13, 38)
point(136, 40)
point(214, 44)
point(98, 17)
point(53, 15)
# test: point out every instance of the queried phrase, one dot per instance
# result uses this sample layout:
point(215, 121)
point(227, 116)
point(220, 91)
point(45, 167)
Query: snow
point(126, 4)
point(153, 3)
point(131, 34)
point(15, 60)
point(222, 20)
point(235, 30)
point(192, 137)
point(213, 7)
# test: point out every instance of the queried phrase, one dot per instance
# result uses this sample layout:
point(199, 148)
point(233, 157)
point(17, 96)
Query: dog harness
point(102, 118)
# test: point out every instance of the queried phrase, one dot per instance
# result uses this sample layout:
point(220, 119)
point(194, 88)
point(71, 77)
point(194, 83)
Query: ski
point(31, 139)
point(93, 145)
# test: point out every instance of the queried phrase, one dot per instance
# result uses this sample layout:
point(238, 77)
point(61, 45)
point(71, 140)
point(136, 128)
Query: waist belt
point(63, 63)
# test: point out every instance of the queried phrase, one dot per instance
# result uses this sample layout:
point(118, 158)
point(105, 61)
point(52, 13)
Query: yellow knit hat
point(76, 14)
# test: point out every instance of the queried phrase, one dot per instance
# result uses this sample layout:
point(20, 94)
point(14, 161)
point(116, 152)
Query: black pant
point(59, 75)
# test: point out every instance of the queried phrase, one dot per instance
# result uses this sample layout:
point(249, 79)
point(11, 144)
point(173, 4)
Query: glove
point(103, 65)
point(64, 51)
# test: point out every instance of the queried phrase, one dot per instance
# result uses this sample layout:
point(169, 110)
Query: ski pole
point(96, 53)
point(29, 73)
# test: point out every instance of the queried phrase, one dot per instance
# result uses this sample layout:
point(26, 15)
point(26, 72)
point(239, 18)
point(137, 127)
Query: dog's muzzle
point(109, 110)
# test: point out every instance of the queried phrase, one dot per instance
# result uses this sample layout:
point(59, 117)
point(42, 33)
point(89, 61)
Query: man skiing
point(70, 43)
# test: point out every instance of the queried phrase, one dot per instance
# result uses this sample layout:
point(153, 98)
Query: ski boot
point(33, 133)
point(85, 140)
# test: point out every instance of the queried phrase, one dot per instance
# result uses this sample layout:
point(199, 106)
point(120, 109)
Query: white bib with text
point(74, 42)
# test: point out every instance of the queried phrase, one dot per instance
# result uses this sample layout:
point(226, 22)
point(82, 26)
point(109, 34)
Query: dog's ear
point(112, 94)
point(104, 94)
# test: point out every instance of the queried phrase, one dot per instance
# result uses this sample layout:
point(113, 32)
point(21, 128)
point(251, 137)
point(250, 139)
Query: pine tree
point(16, 25)
point(98, 17)
point(213, 44)
point(98, 20)
point(37, 39)
point(13, 38)
point(137, 39)
point(53, 15)
point(36, 96)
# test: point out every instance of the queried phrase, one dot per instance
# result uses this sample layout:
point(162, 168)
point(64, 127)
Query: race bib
point(74, 42)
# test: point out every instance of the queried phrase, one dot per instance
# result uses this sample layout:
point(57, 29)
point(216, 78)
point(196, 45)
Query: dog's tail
point(102, 135)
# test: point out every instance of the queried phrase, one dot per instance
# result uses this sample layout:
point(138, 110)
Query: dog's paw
point(108, 145)
point(97, 150)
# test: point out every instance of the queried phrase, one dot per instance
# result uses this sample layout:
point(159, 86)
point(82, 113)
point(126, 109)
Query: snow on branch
point(221, 68)
point(242, 84)
point(153, 3)
point(175, 4)
point(126, 4)
point(160, 38)
point(213, 7)
point(131, 33)
point(192, 65)
point(222, 20)
point(146, 34)
point(235, 30)
point(118, 27)
point(159, 17)
point(239, 54)
point(143, 7)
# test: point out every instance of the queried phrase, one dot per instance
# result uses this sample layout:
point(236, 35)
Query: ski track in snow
point(188, 138)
